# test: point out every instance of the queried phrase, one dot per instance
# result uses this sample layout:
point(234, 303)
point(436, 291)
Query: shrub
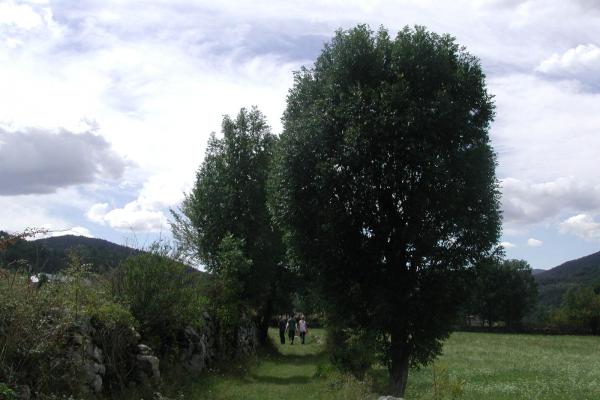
point(162, 294)
point(351, 350)
point(444, 387)
point(7, 393)
point(34, 326)
point(37, 322)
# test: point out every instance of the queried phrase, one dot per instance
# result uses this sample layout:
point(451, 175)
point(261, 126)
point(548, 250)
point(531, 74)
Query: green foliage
point(52, 255)
point(351, 350)
point(444, 387)
point(385, 183)
point(34, 326)
point(228, 206)
point(580, 310)
point(37, 323)
point(162, 294)
point(6, 393)
point(504, 290)
point(232, 270)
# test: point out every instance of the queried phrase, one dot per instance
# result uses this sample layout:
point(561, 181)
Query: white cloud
point(51, 211)
point(545, 130)
point(581, 63)
point(19, 15)
point(531, 242)
point(134, 216)
point(583, 226)
point(508, 245)
point(97, 212)
point(76, 231)
point(526, 202)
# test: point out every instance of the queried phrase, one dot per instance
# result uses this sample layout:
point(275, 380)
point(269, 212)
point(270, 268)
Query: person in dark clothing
point(282, 326)
point(291, 328)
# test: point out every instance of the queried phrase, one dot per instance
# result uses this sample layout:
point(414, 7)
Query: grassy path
point(286, 373)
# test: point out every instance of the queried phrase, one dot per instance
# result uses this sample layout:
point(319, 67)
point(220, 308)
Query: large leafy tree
point(386, 184)
point(225, 217)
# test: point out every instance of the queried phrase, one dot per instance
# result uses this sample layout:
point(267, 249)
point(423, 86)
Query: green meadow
point(481, 365)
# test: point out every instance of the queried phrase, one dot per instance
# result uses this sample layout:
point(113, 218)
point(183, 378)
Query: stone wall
point(198, 349)
point(201, 348)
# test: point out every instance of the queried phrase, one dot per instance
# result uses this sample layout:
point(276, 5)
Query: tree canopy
point(225, 223)
point(386, 184)
point(504, 290)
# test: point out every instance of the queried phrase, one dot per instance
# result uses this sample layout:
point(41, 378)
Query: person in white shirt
point(302, 328)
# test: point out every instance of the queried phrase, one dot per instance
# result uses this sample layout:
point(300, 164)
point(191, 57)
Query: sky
point(106, 106)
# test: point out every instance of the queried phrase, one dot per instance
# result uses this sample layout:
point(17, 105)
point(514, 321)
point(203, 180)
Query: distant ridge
point(555, 282)
point(51, 254)
point(536, 271)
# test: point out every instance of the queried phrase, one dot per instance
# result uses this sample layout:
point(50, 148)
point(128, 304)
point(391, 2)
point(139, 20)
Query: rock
point(23, 392)
point(148, 367)
point(390, 398)
point(136, 335)
point(96, 384)
point(196, 363)
point(93, 372)
point(77, 339)
point(94, 353)
point(144, 350)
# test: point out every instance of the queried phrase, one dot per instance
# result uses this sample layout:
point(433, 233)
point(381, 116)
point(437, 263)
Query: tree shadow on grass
point(274, 380)
point(296, 358)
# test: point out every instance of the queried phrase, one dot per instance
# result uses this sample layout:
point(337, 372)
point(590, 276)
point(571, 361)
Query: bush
point(351, 350)
point(444, 387)
point(162, 294)
point(38, 321)
point(7, 393)
point(34, 328)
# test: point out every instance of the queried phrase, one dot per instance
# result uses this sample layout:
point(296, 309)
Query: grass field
point(490, 366)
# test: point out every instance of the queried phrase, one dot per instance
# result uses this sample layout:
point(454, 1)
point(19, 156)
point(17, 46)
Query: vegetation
point(282, 372)
point(51, 255)
point(504, 290)
point(580, 310)
point(162, 294)
point(386, 184)
point(556, 282)
point(37, 324)
point(41, 323)
point(225, 223)
point(473, 366)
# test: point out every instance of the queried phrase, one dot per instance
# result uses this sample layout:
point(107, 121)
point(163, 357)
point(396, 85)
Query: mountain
point(52, 254)
point(536, 271)
point(554, 283)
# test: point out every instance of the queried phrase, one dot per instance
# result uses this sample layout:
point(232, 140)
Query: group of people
point(291, 326)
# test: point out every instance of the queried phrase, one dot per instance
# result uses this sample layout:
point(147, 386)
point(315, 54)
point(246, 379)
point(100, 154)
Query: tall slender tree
point(386, 184)
point(227, 207)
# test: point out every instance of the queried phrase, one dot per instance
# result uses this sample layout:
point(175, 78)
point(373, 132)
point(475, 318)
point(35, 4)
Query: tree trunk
point(262, 330)
point(399, 371)
point(262, 324)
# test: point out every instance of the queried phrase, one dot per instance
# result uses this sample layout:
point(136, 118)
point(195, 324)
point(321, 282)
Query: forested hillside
point(554, 283)
point(50, 255)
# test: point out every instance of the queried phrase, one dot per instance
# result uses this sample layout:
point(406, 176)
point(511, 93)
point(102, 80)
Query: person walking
point(303, 329)
point(282, 326)
point(291, 328)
